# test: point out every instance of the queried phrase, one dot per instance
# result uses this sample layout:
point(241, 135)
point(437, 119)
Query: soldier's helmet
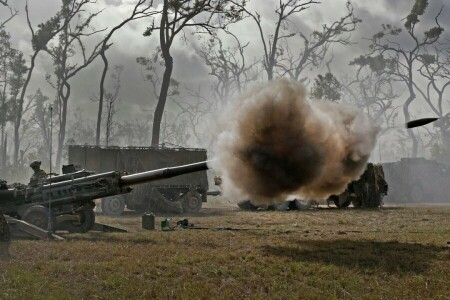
point(35, 164)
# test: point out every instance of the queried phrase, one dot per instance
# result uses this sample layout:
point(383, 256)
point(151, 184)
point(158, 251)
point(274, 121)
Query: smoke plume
point(272, 142)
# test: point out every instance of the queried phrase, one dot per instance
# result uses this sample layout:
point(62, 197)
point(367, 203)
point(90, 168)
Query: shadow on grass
point(390, 257)
point(4, 251)
point(119, 238)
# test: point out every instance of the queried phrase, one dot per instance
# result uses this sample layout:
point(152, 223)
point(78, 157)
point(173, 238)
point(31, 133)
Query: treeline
point(406, 65)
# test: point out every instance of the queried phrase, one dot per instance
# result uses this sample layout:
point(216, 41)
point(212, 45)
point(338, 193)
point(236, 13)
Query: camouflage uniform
point(38, 173)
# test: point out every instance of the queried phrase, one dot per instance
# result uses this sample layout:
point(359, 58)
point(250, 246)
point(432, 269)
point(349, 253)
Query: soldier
point(3, 184)
point(38, 172)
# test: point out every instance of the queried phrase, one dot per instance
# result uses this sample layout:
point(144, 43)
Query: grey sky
point(189, 68)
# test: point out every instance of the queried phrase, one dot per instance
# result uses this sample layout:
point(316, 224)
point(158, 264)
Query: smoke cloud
point(272, 142)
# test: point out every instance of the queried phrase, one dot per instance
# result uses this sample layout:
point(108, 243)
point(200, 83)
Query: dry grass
point(389, 253)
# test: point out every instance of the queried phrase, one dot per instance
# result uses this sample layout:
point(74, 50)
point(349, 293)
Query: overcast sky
point(189, 69)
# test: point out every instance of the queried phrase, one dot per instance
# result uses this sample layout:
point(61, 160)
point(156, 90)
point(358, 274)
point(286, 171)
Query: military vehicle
point(366, 192)
point(417, 180)
point(67, 201)
point(184, 193)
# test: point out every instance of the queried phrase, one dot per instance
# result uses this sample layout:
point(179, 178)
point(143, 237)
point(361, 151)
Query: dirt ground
point(394, 252)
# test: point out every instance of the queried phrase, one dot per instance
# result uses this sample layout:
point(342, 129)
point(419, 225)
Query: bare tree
point(194, 107)
point(135, 132)
point(436, 70)
point(16, 81)
point(270, 42)
point(372, 88)
point(174, 130)
point(25, 131)
point(80, 130)
point(112, 101)
point(407, 60)
point(12, 14)
point(150, 69)
point(63, 53)
point(315, 47)
point(7, 54)
point(39, 39)
point(142, 9)
point(228, 66)
point(176, 16)
point(41, 117)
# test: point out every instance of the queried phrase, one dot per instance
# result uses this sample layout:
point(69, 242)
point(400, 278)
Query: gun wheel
point(192, 202)
point(38, 216)
point(85, 221)
point(113, 206)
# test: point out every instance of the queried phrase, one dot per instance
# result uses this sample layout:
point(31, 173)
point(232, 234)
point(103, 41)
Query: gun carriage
point(67, 201)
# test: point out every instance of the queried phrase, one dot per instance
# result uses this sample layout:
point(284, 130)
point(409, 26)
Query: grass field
point(388, 253)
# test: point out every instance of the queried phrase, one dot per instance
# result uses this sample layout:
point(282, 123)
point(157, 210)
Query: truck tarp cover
point(140, 159)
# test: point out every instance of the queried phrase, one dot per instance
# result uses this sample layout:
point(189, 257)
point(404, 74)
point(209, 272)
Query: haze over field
point(209, 71)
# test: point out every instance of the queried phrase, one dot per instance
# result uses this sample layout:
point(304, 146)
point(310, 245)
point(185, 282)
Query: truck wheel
point(38, 215)
point(192, 202)
point(356, 202)
point(340, 204)
point(85, 223)
point(113, 206)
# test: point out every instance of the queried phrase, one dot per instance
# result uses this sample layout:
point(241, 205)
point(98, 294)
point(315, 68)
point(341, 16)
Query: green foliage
point(327, 87)
point(178, 12)
point(434, 33)
point(18, 69)
point(417, 10)
point(387, 30)
point(428, 59)
point(419, 7)
point(45, 33)
point(376, 63)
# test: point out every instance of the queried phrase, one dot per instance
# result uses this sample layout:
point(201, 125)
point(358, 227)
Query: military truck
point(417, 180)
point(184, 193)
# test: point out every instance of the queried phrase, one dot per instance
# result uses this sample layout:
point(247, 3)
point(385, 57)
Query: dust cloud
point(272, 142)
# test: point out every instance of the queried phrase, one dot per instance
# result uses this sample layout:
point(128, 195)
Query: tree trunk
point(108, 122)
point(100, 98)
point(3, 148)
point(270, 72)
point(18, 119)
point(415, 142)
point(159, 111)
point(62, 128)
point(3, 143)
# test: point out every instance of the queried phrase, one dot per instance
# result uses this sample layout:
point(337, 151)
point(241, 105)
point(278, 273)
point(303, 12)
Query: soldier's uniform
point(38, 173)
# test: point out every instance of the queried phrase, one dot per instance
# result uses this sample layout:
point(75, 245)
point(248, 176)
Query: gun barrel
point(148, 176)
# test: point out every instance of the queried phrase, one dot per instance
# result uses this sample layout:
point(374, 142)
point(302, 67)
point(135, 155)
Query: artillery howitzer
point(68, 200)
